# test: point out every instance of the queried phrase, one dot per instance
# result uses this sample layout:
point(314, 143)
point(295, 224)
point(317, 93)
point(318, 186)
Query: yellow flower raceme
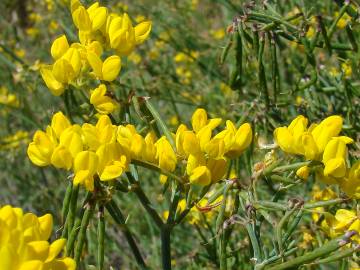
point(319, 142)
point(310, 142)
point(105, 150)
point(88, 150)
point(24, 242)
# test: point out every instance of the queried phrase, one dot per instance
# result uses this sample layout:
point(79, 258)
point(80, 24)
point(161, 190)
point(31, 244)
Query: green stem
point(339, 255)
point(73, 232)
point(82, 233)
point(100, 238)
point(119, 218)
point(324, 203)
point(279, 229)
point(317, 253)
point(275, 258)
point(144, 200)
point(161, 123)
point(66, 201)
point(156, 168)
point(72, 208)
point(166, 247)
point(254, 242)
point(291, 167)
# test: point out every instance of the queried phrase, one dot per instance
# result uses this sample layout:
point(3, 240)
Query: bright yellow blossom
point(24, 242)
point(107, 70)
point(102, 103)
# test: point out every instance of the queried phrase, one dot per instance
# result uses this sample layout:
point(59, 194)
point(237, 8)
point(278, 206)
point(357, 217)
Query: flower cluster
point(106, 150)
point(24, 242)
point(206, 156)
point(87, 149)
point(317, 142)
point(99, 30)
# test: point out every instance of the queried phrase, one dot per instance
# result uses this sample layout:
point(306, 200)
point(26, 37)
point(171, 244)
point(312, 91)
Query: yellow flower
point(24, 243)
point(67, 68)
point(41, 148)
point(323, 195)
point(55, 87)
point(303, 172)
point(107, 70)
point(90, 19)
point(102, 103)
point(121, 34)
point(59, 123)
point(103, 132)
point(142, 31)
point(217, 168)
point(290, 138)
point(328, 128)
point(334, 157)
point(236, 140)
point(351, 184)
point(310, 142)
point(344, 218)
point(186, 57)
point(112, 161)
point(200, 176)
point(165, 154)
point(85, 167)
point(59, 47)
point(129, 139)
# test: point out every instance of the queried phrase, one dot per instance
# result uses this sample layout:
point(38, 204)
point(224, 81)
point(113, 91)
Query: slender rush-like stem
point(72, 208)
point(82, 233)
point(144, 200)
point(119, 218)
point(101, 238)
point(166, 247)
point(316, 253)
